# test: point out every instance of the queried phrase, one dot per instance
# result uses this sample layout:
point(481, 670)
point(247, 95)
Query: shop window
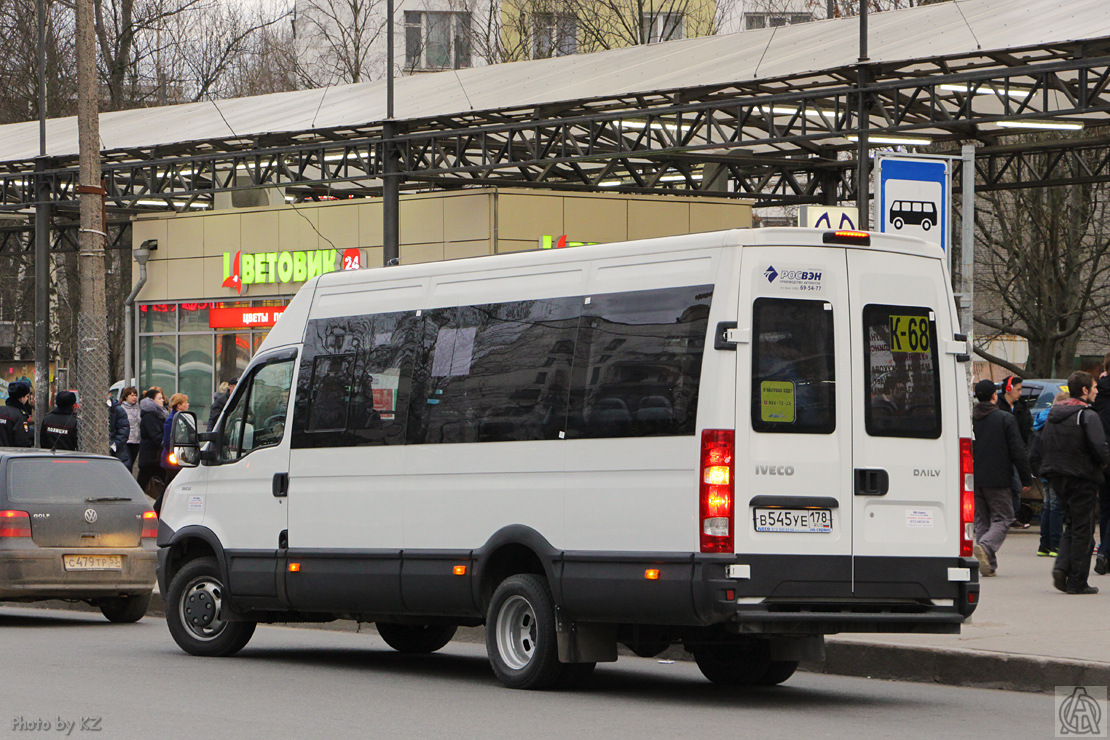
point(158, 362)
point(195, 373)
point(157, 318)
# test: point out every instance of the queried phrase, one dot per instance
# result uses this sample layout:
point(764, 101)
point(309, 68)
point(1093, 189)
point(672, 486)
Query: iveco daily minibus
point(739, 442)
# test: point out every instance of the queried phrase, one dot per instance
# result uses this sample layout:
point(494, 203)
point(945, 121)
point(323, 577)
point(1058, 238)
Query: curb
point(968, 668)
point(982, 670)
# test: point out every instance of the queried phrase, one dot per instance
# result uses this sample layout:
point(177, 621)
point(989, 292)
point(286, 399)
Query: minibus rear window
point(900, 363)
point(793, 379)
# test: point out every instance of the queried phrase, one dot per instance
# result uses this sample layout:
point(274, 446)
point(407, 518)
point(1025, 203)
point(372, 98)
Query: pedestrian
point(996, 452)
point(1010, 401)
point(59, 427)
point(119, 428)
point(14, 430)
point(152, 418)
point(170, 467)
point(1101, 406)
point(129, 400)
point(1074, 454)
point(220, 401)
point(1052, 523)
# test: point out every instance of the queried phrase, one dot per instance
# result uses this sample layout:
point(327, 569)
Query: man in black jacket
point(997, 451)
point(1010, 400)
point(1074, 453)
point(59, 427)
point(13, 419)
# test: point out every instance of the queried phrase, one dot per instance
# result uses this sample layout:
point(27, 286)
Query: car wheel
point(926, 224)
point(415, 638)
point(520, 634)
point(743, 662)
point(899, 223)
point(125, 609)
point(195, 612)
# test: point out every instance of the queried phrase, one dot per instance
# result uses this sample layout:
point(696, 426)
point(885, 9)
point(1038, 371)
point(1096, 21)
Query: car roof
point(14, 452)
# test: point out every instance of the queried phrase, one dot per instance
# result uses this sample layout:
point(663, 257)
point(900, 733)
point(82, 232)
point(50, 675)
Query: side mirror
point(185, 440)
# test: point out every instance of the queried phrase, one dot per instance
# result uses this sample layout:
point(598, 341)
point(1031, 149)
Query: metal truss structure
point(776, 141)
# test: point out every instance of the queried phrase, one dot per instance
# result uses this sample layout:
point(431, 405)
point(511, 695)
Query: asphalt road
point(131, 681)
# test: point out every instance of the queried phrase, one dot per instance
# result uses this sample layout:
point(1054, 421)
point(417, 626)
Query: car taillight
point(150, 524)
point(967, 498)
point(716, 490)
point(15, 524)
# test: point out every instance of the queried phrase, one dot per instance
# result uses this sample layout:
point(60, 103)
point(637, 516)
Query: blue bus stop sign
point(915, 195)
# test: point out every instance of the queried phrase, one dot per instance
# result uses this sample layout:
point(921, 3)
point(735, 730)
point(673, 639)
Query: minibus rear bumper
point(780, 594)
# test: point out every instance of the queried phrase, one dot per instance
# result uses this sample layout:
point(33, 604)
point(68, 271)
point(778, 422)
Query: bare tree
point(19, 60)
point(338, 40)
point(1043, 267)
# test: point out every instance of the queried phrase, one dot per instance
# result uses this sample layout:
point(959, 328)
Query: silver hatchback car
point(77, 527)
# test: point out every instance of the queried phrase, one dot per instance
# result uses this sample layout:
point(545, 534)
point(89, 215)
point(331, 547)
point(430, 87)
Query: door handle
point(872, 482)
point(281, 485)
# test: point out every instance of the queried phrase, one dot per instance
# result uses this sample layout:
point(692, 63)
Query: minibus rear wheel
point(415, 638)
point(744, 662)
point(195, 612)
point(520, 634)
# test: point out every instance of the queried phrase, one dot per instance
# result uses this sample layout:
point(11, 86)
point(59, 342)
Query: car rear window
point(61, 480)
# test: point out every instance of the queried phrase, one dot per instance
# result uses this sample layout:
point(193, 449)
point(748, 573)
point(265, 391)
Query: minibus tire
point(415, 638)
point(125, 609)
point(744, 662)
point(777, 672)
point(194, 605)
point(520, 634)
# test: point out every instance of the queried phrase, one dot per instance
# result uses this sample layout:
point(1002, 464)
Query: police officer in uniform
point(13, 419)
point(59, 427)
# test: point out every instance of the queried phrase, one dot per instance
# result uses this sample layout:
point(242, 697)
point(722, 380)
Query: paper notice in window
point(776, 401)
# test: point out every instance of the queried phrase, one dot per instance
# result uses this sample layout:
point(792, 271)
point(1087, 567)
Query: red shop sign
point(236, 318)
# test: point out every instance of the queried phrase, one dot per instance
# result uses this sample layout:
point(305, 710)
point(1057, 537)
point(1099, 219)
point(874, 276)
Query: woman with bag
point(170, 468)
point(152, 419)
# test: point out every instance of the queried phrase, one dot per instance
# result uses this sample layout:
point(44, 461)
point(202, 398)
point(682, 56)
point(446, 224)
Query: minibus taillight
point(150, 524)
point(15, 524)
point(967, 498)
point(716, 494)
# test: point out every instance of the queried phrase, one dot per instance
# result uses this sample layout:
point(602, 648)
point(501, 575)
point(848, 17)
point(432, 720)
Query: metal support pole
point(43, 193)
point(391, 185)
point(863, 163)
point(43, 209)
point(967, 242)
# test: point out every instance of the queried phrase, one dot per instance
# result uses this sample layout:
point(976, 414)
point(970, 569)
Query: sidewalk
point(1025, 635)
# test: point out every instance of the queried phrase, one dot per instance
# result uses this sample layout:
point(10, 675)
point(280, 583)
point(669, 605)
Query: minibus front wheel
point(195, 612)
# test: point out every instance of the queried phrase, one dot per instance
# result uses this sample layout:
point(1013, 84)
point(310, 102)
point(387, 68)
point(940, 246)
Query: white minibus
point(738, 442)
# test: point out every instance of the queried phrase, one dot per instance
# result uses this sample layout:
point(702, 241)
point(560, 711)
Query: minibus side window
point(496, 372)
point(900, 372)
point(354, 382)
point(793, 374)
point(331, 392)
point(637, 363)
